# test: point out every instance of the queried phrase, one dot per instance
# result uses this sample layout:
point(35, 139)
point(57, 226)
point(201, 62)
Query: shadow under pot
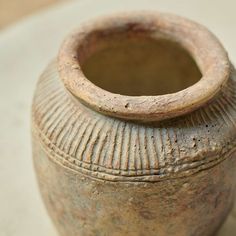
point(133, 129)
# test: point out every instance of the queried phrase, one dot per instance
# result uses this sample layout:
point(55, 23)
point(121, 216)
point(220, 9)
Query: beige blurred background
point(13, 10)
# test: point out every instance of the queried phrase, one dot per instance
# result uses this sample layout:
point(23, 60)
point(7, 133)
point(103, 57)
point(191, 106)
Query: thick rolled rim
point(203, 46)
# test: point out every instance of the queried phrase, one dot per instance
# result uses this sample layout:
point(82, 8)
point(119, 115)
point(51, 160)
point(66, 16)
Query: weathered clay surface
point(102, 175)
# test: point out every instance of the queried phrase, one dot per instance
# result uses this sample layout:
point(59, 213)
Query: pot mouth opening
point(137, 65)
point(143, 66)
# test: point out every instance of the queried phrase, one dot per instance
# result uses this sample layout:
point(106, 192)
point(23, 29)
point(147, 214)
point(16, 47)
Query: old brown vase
point(133, 129)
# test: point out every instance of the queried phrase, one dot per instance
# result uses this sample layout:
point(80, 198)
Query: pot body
point(112, 165)
point(190, 193)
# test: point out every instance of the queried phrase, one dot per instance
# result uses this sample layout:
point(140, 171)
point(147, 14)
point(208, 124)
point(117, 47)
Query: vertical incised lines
point(85, 139)
point(112, 146)
point(52, 113)
point(227, 114)
point(68, 129)
point(100, 143)
point(143, 149)
point(137, 155)
point(222, 114)
point(151, 150)
point(53, 127)
point(159, 147)
point(119, 146)
point(63, 128)
point(87, 154)
point(70, 139)
point(96, 141)
point(132, 149)
point(103, 149)
point(125, 147)
point(78, 137)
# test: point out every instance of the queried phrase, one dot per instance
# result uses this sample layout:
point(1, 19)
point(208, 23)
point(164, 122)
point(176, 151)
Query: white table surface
point(25, 49)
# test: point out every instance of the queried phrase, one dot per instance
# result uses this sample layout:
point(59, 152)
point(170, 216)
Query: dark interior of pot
point(137, 66)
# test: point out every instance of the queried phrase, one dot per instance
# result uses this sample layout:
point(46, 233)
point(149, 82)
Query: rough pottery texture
point(133, 129)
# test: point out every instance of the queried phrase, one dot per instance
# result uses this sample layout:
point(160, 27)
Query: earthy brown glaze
point(134, 129)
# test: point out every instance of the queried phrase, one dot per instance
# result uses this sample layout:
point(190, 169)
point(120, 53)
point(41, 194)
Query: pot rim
point(203, 46)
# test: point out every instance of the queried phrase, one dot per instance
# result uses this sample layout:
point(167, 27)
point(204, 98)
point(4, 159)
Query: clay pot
point(134, 129)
